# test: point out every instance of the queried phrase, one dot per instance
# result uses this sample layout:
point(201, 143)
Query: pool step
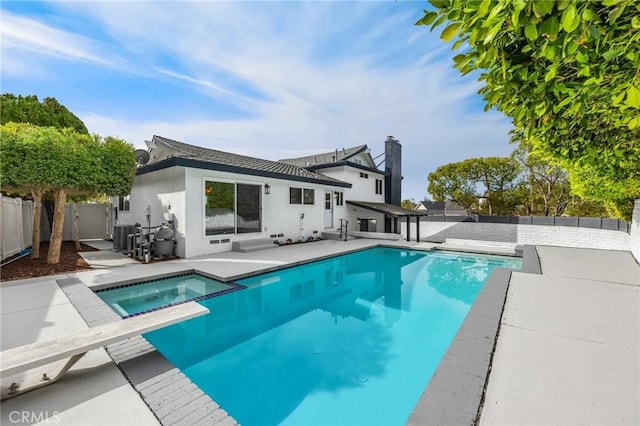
point(246, 246)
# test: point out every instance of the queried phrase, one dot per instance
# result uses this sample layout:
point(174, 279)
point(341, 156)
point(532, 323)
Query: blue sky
point(267, 79)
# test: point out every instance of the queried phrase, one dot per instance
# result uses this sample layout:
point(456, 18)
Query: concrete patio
point(568, 348)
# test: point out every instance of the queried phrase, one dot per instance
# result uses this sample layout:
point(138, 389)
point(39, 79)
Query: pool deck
point(568, 348)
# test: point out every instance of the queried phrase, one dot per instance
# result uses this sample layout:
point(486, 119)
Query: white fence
point(16, 217)
point(95, 222)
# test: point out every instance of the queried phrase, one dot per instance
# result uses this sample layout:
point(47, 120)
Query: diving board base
point(72, 347)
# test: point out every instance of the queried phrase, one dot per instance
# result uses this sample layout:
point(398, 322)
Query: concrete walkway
point(93, 392)
point(568, 346)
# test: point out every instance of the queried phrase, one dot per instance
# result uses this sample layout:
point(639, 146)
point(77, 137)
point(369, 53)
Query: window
point(124, 203)
point(309, 196)
point(339, 198)
point(305, 196)
point(295, 195)
point(219, 208)
point(378, 186)
point(364, 175)
point(232, 208)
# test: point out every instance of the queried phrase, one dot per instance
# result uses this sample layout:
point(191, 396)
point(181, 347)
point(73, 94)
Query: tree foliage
point(490, 178)
point(48, 113)
point(567, 73)
point(62, 162)
point(544, 187)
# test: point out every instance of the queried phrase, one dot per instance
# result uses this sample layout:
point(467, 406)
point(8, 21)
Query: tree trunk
point(76, 226)
point(36, 194)
point(55, 242)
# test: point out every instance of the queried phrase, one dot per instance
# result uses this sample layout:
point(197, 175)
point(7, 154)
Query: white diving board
point(74, 346)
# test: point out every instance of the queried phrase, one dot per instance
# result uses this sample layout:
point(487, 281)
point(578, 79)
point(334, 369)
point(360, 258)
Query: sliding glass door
point(232, 208)
point(248, 207)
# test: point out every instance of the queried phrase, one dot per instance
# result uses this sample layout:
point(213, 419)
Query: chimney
point(392, 171)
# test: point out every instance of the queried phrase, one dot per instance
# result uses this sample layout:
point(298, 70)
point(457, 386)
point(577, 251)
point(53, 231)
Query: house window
point(305, 196)
point(232, 208)
point(339, 198)
point(378, 186)
point(295, 195)
point(309, 196)
point(364, 175)
point(124, 203)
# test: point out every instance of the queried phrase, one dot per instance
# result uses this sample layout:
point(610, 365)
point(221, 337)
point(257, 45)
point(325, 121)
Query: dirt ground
point(25, 267)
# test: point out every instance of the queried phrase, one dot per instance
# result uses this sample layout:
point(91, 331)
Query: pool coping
point(157, 380)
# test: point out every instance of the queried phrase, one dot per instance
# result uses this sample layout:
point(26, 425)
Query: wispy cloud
point(32, 35)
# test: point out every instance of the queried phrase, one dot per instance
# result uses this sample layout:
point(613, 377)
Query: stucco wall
point(522, 234)
point(278, 216)
point(634, 239)
point(159, 190)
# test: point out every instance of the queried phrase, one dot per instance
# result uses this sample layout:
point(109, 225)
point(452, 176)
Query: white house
point(214, 198)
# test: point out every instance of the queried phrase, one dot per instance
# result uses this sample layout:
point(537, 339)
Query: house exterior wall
point(279, 217)
point(362, 189)
point(163, 191)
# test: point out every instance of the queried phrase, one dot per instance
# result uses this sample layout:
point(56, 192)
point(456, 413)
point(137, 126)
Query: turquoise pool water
point(351, 340)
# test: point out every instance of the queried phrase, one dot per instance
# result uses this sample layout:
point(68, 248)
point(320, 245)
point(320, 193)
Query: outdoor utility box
point(120, 233)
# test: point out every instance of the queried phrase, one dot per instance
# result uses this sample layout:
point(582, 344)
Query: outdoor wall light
point(267, 189)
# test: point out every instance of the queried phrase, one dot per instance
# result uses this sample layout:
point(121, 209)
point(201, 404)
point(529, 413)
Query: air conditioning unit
point(120, 233)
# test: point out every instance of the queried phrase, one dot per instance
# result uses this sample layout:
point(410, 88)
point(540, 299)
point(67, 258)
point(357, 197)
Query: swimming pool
point(351, 340)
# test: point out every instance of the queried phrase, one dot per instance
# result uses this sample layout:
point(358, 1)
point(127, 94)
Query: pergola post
point(418, 229)
point(408, 228)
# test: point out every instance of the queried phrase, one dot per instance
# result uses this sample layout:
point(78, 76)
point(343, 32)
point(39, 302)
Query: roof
point(186, 155)
point(385, 208)
point(440, 207)
point(326, 158)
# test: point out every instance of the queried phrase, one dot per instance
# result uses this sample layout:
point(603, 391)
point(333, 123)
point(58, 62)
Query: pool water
point(351, 340)
point(132, 299)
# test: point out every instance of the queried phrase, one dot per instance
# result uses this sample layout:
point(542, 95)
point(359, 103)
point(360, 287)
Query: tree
point(460, 182)
point(453, 182)
point(64, 163)
point(548, 186)
point(567, 73)
point(497, 174)
point(28, 109)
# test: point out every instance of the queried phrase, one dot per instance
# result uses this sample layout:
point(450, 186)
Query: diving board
point(74, 346)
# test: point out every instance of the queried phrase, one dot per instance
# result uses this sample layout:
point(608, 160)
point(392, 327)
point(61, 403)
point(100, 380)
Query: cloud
point(18, 32)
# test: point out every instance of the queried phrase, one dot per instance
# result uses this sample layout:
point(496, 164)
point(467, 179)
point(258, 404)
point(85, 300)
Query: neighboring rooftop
point(167, 152)
point(440, 207)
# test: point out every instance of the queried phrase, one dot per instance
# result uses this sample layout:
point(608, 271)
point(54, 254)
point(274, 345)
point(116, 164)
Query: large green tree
point(28, 109)
point(567, 73)
point(61, 162)
point(489, 178)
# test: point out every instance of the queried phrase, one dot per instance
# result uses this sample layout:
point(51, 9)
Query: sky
point(266, 79)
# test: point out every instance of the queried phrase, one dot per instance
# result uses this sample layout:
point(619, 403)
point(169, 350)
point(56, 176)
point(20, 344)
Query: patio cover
point(388, 209)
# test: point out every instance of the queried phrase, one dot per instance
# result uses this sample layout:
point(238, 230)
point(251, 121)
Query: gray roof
point(200, 157)
point(326, 158)
point(389, 209)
